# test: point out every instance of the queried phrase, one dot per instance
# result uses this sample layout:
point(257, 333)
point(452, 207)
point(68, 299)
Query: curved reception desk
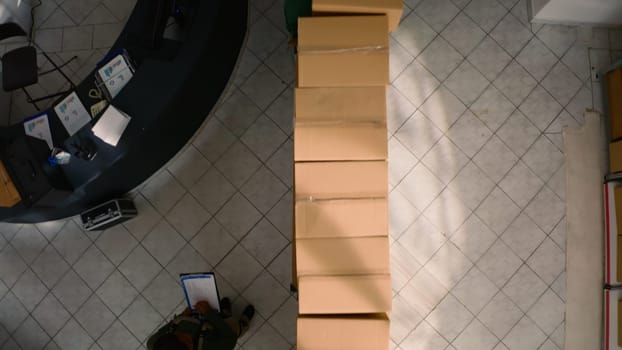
point(175, 85)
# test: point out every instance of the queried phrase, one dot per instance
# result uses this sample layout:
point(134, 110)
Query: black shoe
point(225, 307)
point(249, 312)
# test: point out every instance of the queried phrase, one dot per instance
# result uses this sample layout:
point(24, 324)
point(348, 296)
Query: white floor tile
point(499, 263)
point(521, 184)
point(511, 34)
point(548, 312)
point(463, 34)
point(440, 58)
point(449, 318)
point(418, 134)
point(475, 337)
point(94, 317)
point(414, 34)
point(404, 319)
point(448, 265)
point(487, 13)
point(524, 288)
point(475, 290)
point(437, 13)
point(73, 337)
point(424, 337)
point(51, 315)
point(558, 38)
point(473, 238)
point(525, 335)
point(500, 315)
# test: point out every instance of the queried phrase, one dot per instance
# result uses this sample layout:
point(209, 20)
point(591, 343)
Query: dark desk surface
point(170, 96)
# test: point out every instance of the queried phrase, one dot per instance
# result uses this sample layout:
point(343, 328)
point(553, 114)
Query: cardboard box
point(341, 104)
point(342, 256)
point(9, 196)
point(342, 218)
point(343, 51)
point(340, 180)
point(615, 157)
point(614, 91)
point(344, 294)
point(369, 332)
point(342, 33)
point(325, 142)
point(392, 8)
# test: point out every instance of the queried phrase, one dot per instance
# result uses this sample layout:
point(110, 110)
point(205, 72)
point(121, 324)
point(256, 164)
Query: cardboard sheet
point(344, 294)
point(368, 332)
point(342, 218)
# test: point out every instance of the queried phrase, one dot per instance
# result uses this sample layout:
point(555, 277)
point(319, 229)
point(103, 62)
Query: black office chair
point(19, 66)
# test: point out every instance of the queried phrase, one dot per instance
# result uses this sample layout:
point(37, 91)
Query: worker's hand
point(202, 307)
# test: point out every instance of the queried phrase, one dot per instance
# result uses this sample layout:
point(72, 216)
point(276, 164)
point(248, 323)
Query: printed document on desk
point(115, 74)
point(201, 287)
point(111, 125)
point(38, 126)
point(72, 113)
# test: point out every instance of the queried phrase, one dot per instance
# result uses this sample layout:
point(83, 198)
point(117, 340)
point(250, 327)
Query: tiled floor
point(477, 104)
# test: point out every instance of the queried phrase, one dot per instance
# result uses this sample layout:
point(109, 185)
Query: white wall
point(606, 12)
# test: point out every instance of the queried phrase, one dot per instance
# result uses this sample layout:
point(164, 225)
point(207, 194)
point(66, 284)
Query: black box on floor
point(108, 214)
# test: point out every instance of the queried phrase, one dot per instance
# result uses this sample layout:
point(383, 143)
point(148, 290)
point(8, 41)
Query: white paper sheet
point(72, 113)
point(115, 75)
point(39, 127)
point(111, 125)
point(201, 287)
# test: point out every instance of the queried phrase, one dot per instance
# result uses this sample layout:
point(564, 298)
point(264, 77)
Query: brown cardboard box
point(617, 196)
point(344, 294)
point(334, 180)
point(392, 8)
point(342, 218)
point(342, 33)
point(343, 51)
point(368, 332)
point(9, 196)
point(343, 104)
point(615, 156)
point(326, 142)
point(342, 256)
point(614, 92)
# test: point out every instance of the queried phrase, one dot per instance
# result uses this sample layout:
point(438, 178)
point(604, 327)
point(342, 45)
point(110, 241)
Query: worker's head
point(169, 342)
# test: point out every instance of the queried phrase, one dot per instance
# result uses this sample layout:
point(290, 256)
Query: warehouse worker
point(202, 329)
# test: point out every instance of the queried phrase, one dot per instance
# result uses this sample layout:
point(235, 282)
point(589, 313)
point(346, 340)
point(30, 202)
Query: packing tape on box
point(313, 199)
point(363, 49)
point(372, 123)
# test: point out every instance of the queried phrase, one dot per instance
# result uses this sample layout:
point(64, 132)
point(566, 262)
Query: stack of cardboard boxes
point(613, 216)
point(614, 97)
point(341, 245)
